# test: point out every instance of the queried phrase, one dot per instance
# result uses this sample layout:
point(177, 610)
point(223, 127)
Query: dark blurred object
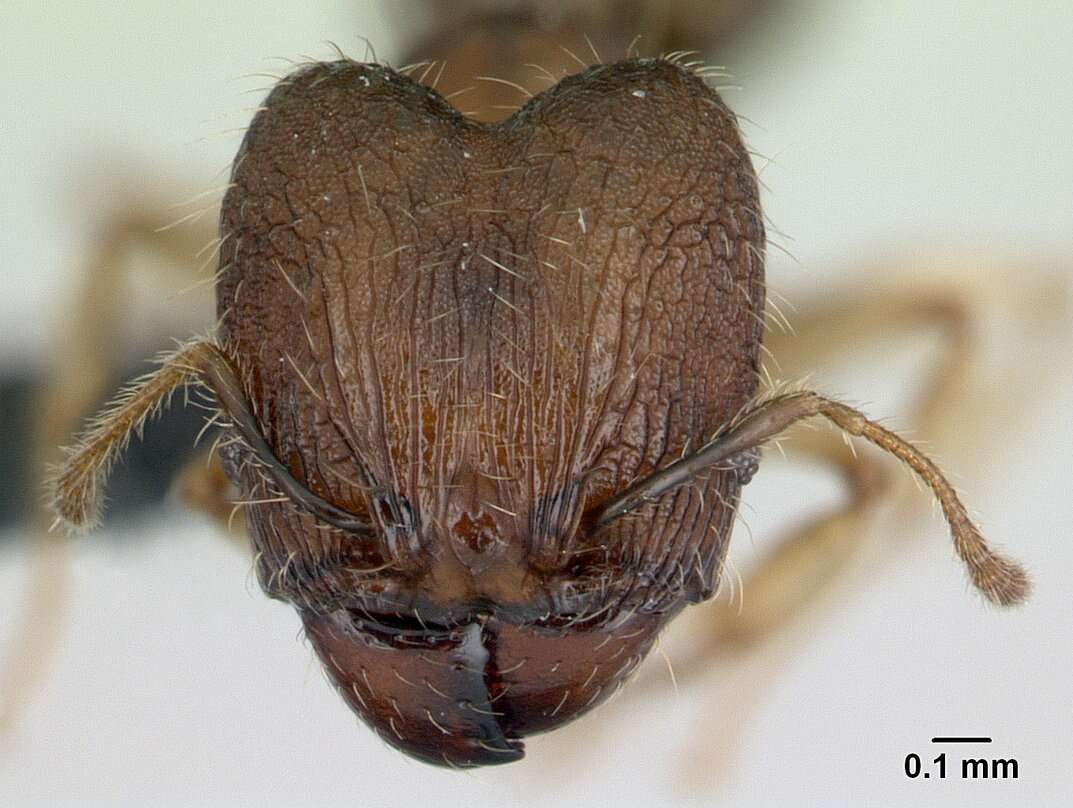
point(535, 45)
point(16, 395)
point(663, 25)
point(141, 479)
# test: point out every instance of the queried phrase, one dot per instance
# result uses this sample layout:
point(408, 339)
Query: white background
point(899, 129)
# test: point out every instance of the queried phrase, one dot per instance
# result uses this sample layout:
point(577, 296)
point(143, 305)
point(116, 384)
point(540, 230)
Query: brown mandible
point(490, 389)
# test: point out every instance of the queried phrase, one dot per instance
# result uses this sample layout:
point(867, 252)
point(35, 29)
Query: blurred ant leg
point(77, 379)
point(799, 571)
point(790, 579)
point(997, 322)
point(82, 366)
point(808, 562)
point(36, 630)
point(824, 331)
point(204, 486)
point(805, 564)
point(794, 578)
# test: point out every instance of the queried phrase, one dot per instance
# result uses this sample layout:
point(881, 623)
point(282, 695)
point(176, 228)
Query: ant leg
point(805, 566)
point(838, 327)
point(204, 486)
point(82, 366)
point(807, 562)
point(802, 567)
point(77, 378)
point(956, 391)
point(812, 558)
point(996, 323)
point(36, 629)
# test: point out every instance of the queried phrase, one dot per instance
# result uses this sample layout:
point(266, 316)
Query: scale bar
point(960, 739)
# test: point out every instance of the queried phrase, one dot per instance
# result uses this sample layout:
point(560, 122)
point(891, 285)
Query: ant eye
point(745, 465)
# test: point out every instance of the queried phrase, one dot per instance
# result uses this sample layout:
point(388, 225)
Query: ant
point(374, 507)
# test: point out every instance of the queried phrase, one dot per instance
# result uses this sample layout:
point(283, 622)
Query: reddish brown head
point(469, 337)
